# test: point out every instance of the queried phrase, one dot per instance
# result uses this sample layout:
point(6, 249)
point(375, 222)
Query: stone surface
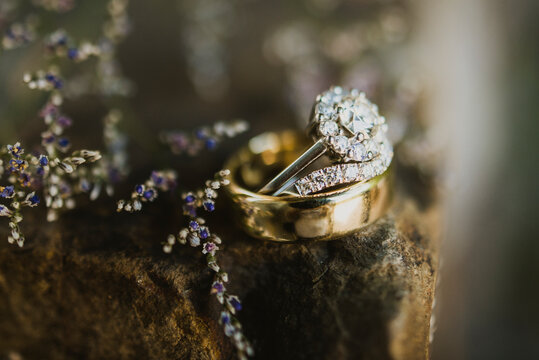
point(96, 285)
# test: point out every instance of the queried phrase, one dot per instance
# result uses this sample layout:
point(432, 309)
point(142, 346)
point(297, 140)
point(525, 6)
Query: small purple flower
point(49, 110)
point(15, 150)
point(209, 248)
point(34, 199)
point(217, 288)
point(64, 121)
point(63, 142)
point(209, 205)
point(225, 318)
point(193, 225)
point(55, 81)
point(189, 199)
point(211, 144)
point(7, 192)
point(43, 160)
point(204, 232)
point(157, 178)
point(48, 138)
point(139, 189)
point(200, 134)
point(149, 194)
point(17, 165)
point(25, 179)
point(72, 53)
point(234, 302)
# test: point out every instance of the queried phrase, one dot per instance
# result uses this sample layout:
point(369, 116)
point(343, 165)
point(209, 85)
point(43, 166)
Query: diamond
point(357, 117)
point(367, 171)
point(303, 186)
point(329, 128)
point(334, 95)
point(318, 180)
point(372, 147)
point(351, 172)
point(325, 110)
point(358, 152)
point(334, 175)
point(351, 127)
point(340, 144)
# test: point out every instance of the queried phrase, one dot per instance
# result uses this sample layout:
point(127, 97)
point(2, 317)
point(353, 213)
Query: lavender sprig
point(163, 180)
point(197, 234)
point(60, 180)
point(27, 174)
point(58, 175)
point(207, 137)
point(19, 34)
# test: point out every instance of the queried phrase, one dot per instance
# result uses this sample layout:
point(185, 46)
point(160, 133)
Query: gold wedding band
point(320, 216)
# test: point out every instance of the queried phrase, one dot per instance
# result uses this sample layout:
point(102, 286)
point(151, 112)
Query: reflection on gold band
point(289, 218)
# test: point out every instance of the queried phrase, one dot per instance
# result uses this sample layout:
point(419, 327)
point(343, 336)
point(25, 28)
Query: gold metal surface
point(291, 218)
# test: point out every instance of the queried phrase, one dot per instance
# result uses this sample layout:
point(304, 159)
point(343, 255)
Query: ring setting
point(347, 127)
point(349, 124)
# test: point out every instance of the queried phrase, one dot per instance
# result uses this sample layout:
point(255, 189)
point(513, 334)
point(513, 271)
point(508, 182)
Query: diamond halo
point(354, 132)
point(349, 124)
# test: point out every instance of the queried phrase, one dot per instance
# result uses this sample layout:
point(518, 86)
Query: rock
point(97, 285)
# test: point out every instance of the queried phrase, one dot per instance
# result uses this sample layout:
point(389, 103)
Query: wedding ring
point(347, 126)
point(292, 217)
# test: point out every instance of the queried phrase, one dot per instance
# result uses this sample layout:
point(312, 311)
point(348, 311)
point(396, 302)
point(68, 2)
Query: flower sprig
point(207, 137)
point(60, 179)
point(197, 234)
point(60, 45)
point(163, 180)
point(26, 174)
point(19, 34)
point(44, 80)
point(57, 173)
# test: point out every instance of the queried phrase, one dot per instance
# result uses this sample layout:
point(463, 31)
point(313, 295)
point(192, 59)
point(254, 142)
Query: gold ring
point(320, 216)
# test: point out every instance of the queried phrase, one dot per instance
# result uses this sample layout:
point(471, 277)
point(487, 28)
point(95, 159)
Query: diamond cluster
point(345, 173)
point(349, 124)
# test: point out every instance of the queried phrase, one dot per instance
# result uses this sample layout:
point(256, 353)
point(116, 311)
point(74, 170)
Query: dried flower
point(159, 181)
point(203, 138)
point(196, 234)
point(57, 174)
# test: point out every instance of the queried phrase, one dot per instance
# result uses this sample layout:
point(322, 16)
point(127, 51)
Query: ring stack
point(308, 200)
point(348, 124)
point(324, 215)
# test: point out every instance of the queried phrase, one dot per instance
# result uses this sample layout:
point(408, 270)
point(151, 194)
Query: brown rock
point(96, 285)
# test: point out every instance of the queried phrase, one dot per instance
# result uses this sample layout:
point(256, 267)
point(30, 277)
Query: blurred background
point(457, 81)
